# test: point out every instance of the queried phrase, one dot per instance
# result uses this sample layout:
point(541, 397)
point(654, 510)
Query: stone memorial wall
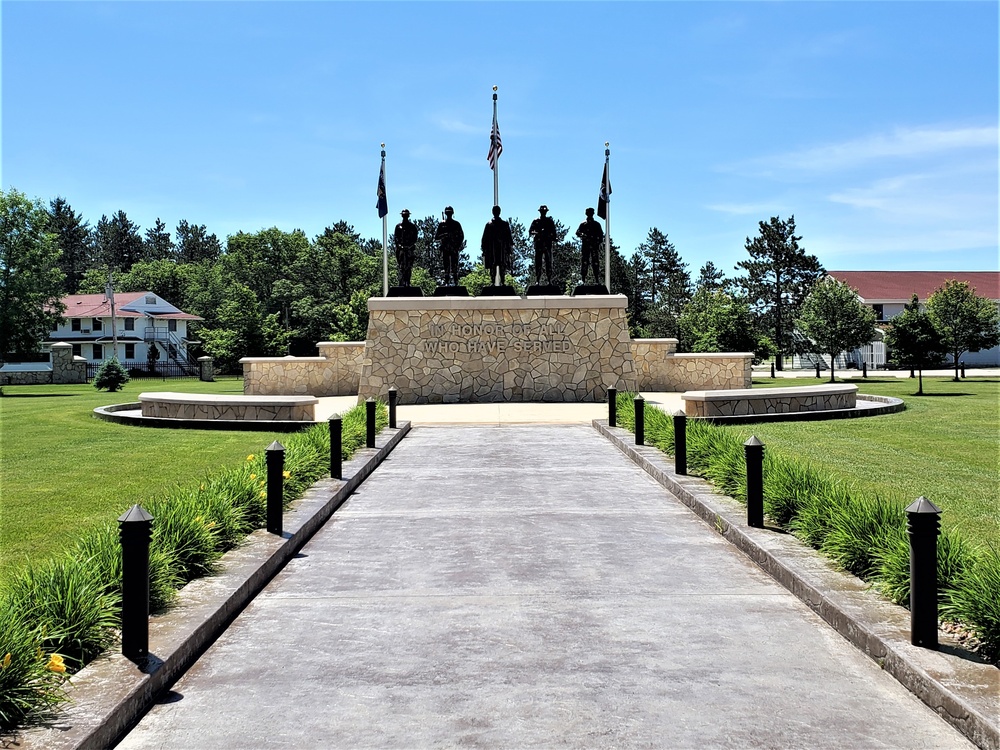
point(494, 349)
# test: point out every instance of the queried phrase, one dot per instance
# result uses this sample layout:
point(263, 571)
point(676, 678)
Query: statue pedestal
point(451, 291)
point(543, 290)
point(589, 289)
point(498, 291)
point(405, 291)
point(494, 349)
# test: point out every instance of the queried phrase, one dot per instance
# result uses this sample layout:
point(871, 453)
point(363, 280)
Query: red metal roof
point(901, 285)
point(97, 306)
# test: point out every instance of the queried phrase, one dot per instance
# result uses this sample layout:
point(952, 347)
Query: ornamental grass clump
point(30, 689)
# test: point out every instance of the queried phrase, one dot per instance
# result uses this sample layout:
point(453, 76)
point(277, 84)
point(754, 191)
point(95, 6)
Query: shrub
point(111, 375)
point(974, 600)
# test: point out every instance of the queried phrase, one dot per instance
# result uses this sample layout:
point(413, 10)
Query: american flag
point(496, 145)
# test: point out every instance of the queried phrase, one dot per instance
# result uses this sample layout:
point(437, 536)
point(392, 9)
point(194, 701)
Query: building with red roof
point(888, 291)
point(140, 322)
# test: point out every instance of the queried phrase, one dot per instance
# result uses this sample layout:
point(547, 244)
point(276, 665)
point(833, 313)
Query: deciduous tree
point(778, 277)
point(834, 317)
point(964, 321)
point(715, 321)
point(31, 282)
point(913, 342)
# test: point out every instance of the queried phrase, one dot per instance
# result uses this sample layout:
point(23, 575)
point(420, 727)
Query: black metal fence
point(141, 370)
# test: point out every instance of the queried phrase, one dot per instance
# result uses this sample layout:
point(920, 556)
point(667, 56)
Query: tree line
point(273, 292)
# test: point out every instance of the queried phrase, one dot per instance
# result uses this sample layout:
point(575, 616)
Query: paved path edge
point(965, 693)
point(111, 694)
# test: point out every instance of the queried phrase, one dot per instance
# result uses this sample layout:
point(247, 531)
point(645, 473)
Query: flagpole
point(607, 222)
point(496, 159)
point(385, 240)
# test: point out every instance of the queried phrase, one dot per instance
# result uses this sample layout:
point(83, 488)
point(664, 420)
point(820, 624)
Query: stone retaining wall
point(336, 373)
point(726, 403)
point(168, 405)
point(660, 368)
point(496, 349)
point(63, 368)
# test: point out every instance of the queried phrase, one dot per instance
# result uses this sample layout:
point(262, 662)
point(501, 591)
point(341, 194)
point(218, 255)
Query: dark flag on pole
point(383, 204)
point(605, 197)
point(496, 145)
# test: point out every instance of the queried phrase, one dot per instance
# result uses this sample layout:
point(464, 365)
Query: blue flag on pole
point(383, 204)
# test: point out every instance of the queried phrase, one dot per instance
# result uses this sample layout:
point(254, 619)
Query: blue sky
point(874, 123)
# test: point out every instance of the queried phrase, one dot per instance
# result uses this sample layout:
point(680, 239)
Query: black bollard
point(912, 375)
point(612, 407)
point(336, 446)
point(754, 450)
point(864, 368)
point(817, 369)
point(923, 523)
point(772, 371)
point(680, 442)
point(370, 405)
point(275, 460)
point(962, 365)
point(135, 528)
point(393, 395)
point(640, 420)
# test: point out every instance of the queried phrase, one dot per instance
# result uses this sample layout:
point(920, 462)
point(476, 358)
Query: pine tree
point(778, 277)
point(195, 244)
point(118, 243)
point(669, 283)
point(73, 237)
point(158, 245)
point(710, 278)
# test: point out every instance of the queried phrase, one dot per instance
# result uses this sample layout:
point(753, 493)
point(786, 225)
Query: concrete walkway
point(528, 586)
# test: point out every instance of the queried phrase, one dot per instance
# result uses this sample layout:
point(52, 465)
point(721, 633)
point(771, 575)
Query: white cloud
point(745, 209)
point(902, 143)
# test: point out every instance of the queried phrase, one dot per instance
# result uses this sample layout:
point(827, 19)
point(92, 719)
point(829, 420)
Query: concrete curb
point(964, 692)
point(111, 693)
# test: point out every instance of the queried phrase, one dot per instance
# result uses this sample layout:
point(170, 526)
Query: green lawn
point(944, 446)
point(62, 471)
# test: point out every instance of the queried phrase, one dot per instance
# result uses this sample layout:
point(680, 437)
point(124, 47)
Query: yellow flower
point(6, 661)
point(55, 664)
point(202, 488)
point(250, 457)
point(198, 519)
point(253, 476)
point(263, 494)
point(286, 474)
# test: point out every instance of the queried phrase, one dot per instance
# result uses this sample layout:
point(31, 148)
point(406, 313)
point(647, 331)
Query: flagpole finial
point(383, 145)
point(494, 88)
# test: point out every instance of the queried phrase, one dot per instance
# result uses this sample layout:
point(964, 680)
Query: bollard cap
point(335, 418)
point(275, 446)
point(753, 442)
point(393, 388)
point(923, 505)
point(135, 514)
point(680, 413)
point(370, 400)
point(639, 397)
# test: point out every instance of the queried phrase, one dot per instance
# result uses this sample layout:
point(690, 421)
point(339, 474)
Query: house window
point(879, 313)
point(98, 351)
point(77, 350)
point(55, 325)
point(129, 351)
point(98, 325)
point(129, 324)
point(150, 300)
point(75, 324)
point(172, 326)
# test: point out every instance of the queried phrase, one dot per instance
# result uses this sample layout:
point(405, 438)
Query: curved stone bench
point(746, 401)
point(171, 405)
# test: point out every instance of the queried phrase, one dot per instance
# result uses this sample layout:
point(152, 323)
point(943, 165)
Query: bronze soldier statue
point(543, 230)
point(450, 237)
point(405, 237)
point(591, 236)
point(497, 245)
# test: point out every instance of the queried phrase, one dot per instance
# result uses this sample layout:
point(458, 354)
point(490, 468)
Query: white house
point(141, 320)
point(888, 291)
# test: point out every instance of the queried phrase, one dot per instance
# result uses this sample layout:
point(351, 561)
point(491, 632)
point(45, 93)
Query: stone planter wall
point(336, 373)
point(495, 349)
point(660, 368)
point(169, 405)
point(740, 402)
point(62, 368)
